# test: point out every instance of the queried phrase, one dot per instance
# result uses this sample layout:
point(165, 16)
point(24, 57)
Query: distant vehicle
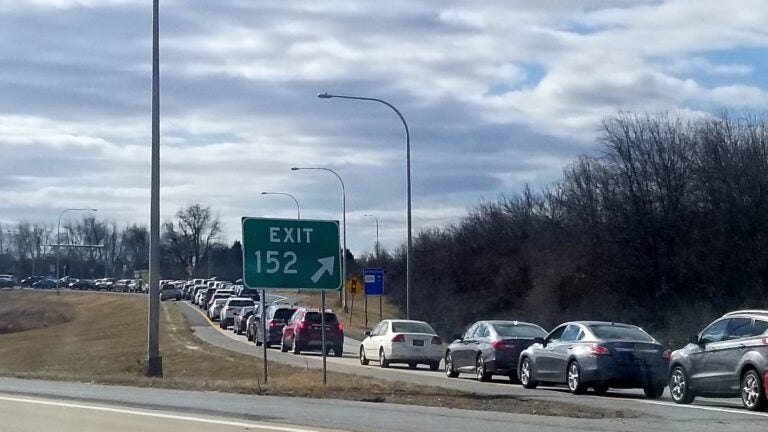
point(254, 321)
point(214, 311)
point(195, 291)
point(169, 291)
point(402, 341)
point(490, 348)
point(27, 282)
point(220, 294)
point(83, 284)
point(104, 284)
point(7, 281)
point(46, 283)
point(302, 332)
point(277, 316)
point(247, 292)
point(729, 358)
point(121, 285)
point(70, 283)
point(205, 298)
point(240, 324)
point(232, 307)
point(135, 286)
point(599, 355)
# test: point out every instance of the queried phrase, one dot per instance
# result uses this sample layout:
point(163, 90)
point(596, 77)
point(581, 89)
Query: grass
point(354, 318)
point(103, 340)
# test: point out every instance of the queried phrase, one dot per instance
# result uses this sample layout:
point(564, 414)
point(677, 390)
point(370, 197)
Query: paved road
point(296, 414)
point(720, 409)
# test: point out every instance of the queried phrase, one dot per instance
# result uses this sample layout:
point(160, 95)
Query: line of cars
point(729, 358)
point(68, 282)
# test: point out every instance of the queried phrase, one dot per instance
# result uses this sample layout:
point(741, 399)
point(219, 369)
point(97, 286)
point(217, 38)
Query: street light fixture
point(342, 294)
point(58, 239)
point(377, 232)
point(409, 250)
point(298, 209)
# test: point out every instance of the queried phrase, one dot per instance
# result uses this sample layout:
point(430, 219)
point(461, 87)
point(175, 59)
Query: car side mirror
point(367, 333)
point(694, 339)
point(540, 340)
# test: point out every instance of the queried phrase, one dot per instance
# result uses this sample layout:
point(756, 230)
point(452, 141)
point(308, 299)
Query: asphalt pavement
point(632, 400)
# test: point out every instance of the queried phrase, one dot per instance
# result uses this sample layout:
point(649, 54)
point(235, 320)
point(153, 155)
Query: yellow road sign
point(354, 285)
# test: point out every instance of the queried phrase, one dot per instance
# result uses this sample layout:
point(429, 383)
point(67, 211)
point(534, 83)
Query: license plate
point(418, 343)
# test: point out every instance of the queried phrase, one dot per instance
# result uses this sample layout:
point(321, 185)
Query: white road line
point(698, 407)
point(157, 415)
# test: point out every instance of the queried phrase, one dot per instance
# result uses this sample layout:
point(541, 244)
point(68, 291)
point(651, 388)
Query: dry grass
point(354, 322)
point(19, 316)
point(104, 341)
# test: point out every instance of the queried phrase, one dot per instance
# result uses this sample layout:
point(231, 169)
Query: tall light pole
point(342, 294)
point(298, 209)
point(58, 238)
point(377, 232)
point(154, 366)
point(408, 190)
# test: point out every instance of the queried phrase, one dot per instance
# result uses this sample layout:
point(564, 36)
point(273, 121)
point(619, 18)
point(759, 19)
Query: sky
point(497, 94)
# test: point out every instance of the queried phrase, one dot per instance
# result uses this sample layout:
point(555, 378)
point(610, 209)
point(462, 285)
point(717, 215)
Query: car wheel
point(256, 339)
point(363, 360)
point(267, 344)
point(434, 366)
point(602, 389)
point(283, 346)
point(450, 372)
point(679, 388)
point(412, 365)
point(338, 351)
point(752, 391)
point(295, 347)
point(248, 335)
point(574, 378)
point(383, 362)
point(526, 374)
point(480, 371)
point(653, 391)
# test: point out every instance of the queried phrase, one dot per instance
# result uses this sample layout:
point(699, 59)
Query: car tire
point(283, 346)
point(363, 359)
point(248, 336)
point(295, 347)
point(752, 391)
point(338, 351)
point(653, 391)
point(678, 386)
point(267, 344)
point(602, 389)
point(481, 373)
point(383, 362)
point(450, 372)
point(573, 375)
point(434, 366)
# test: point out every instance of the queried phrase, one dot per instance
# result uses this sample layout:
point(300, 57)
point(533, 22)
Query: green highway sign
point(291, 254)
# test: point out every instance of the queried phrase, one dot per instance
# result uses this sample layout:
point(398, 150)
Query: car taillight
point(597, 350)
point(501, 346)
point(302, 325)
point(272, 323)
point(398, 338)
point(436, 340)
point(340, 326)
point(667, 354)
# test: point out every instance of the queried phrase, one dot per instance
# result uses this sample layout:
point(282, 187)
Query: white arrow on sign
point(326, 265)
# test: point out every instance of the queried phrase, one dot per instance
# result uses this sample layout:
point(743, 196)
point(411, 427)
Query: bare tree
point(188, 237)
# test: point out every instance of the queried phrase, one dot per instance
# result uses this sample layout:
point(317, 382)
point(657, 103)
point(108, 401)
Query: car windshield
point(620, 332)
point(411, 327)
point(314, 318)
point(518, 330)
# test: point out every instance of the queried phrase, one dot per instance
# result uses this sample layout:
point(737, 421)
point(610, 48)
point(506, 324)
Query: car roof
point(239, 298)
point(500, 322)
point(596, 323)
point(407, 321)
point(762, 313)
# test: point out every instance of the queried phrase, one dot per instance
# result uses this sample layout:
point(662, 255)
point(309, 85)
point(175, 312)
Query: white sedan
point(402, 341)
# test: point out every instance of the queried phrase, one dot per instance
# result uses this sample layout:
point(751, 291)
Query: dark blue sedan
point(598, 355)
point(490, 348)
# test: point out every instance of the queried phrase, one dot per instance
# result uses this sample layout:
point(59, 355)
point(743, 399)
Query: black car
point(490, 348)
point(729, 358)
point(29, 281)
point(277, 316)
point(46, 283)
point(207, 298)
point(248, 293)
point(240, 322)
point(599, 355)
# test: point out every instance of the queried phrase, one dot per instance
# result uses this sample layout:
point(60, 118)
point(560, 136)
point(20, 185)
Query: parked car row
point(729, 358)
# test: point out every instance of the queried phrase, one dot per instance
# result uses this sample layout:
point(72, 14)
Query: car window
point(479, 330)
point(608, 331)
point(759, 327)
point(556, 334)
point(715, 332)
point(283, 313)
point(315, 318)
point(241, 303)
point(519, 330)
point(739, 328)
point(570, 334)
point(380, 329)
point(411, 327)
point(470, 332)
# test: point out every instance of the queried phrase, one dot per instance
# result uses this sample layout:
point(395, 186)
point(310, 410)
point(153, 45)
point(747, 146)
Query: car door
point(482, 342)
point(288, 330)
point(544, 361)
point(725, 359)
point(703, 371)
point(562, 350)
point(369, 343)
point(460, 354)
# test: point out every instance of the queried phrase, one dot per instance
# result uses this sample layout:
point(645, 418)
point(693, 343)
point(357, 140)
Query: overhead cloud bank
point(496, 95)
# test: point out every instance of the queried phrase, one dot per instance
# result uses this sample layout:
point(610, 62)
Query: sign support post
point(264, 331)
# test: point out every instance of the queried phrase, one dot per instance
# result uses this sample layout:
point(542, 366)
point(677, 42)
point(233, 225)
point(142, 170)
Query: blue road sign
point(373, 281)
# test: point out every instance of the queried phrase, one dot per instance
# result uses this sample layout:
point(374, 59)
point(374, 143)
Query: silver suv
point(729, 358)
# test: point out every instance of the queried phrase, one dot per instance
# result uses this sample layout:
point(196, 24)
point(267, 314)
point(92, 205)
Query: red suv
point(303, 332)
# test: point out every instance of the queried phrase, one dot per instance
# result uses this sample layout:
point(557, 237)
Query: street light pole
point(409, 250)
point(298, 209)
point(58, 239)
point(154, 366)
point(343, 293)
point(377, 233)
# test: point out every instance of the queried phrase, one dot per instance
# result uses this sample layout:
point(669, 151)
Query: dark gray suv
point(729, 358)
